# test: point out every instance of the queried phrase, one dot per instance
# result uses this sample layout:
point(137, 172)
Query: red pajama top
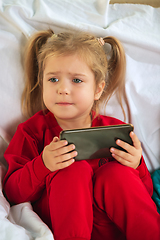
point(25, 178)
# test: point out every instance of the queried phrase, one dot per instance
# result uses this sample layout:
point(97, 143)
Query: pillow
point(4, 205)
point(4, 141)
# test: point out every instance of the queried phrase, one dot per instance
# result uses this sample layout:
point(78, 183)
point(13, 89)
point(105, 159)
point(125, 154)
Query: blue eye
point(76, 80)
point(53, 80)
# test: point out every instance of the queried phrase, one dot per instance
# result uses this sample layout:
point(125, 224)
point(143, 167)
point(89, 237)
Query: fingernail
point(75, 153)
point(112, 149)
point(118, 141)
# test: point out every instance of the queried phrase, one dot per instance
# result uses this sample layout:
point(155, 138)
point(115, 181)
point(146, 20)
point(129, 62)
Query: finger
point(66, 157)
point(55, 139)
point(129, 148)
point(65, 149)
point(121, 159)
point(65, 164)
point(119, 154)
point(56, 144)
point(135, 140)
point(130, 161)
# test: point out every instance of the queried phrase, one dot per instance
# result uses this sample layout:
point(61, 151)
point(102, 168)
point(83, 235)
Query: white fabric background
point(136, 26)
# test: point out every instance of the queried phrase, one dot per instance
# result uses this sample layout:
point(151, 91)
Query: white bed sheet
point(138, 28)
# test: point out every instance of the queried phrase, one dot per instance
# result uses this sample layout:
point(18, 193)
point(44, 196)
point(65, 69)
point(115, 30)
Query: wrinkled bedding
point(136, 26)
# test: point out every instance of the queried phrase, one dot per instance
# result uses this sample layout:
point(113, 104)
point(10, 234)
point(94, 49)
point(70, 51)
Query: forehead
point(70, 63)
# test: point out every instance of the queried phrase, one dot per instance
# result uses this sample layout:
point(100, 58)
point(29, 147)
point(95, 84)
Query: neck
point(74, 124)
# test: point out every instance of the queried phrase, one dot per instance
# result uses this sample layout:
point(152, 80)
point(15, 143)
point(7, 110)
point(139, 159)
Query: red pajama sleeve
point(25, 179)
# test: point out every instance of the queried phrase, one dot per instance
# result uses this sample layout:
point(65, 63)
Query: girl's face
point(69, 90)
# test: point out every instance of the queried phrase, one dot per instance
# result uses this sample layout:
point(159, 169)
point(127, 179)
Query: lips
point(64, 104)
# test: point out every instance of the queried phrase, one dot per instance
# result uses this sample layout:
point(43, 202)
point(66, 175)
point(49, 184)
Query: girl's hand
point(58, 154)
point(132, 157)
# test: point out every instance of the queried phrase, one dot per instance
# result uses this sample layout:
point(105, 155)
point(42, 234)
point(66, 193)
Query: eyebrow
point(75, 74)
point(51, 73)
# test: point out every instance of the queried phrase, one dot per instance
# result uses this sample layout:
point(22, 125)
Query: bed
point(137, 26)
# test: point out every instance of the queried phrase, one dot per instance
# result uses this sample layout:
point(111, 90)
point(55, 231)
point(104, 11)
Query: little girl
point(67, 77)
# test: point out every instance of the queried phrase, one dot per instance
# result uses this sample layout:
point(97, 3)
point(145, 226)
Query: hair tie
point(101, 41)
point(50, 38)
point(53, 35)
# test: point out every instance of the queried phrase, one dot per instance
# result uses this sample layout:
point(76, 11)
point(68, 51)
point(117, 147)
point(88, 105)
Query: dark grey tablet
point(95, 142)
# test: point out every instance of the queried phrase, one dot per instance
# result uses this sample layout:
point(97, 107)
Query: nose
point(63, 87)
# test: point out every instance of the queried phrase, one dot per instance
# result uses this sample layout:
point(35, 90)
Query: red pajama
point(95, 199)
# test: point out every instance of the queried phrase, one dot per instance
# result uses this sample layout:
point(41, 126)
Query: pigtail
point(32, 94)
point(116, 71)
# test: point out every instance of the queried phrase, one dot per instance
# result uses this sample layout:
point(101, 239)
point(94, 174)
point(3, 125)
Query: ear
point(99, 90)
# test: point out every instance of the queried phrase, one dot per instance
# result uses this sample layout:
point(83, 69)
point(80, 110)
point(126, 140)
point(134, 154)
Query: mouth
point(64, 104)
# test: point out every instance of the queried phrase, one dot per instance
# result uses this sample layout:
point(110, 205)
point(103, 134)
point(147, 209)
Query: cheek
point(48, 90)
point(45, 100)
point(47, 96)
point(86, 96)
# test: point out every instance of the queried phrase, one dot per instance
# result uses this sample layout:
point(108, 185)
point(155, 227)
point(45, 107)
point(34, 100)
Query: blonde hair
point(45, 43)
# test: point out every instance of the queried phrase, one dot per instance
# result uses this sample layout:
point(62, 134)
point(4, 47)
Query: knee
point(79, 169)
point(113, 176)
point(78, 172)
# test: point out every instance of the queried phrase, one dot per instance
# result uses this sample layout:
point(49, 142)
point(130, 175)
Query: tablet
point(95, 142)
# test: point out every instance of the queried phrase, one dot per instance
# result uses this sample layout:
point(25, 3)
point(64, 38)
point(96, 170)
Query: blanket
point(136, 26)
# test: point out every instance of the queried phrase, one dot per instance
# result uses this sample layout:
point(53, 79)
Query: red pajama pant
point(111, 203)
